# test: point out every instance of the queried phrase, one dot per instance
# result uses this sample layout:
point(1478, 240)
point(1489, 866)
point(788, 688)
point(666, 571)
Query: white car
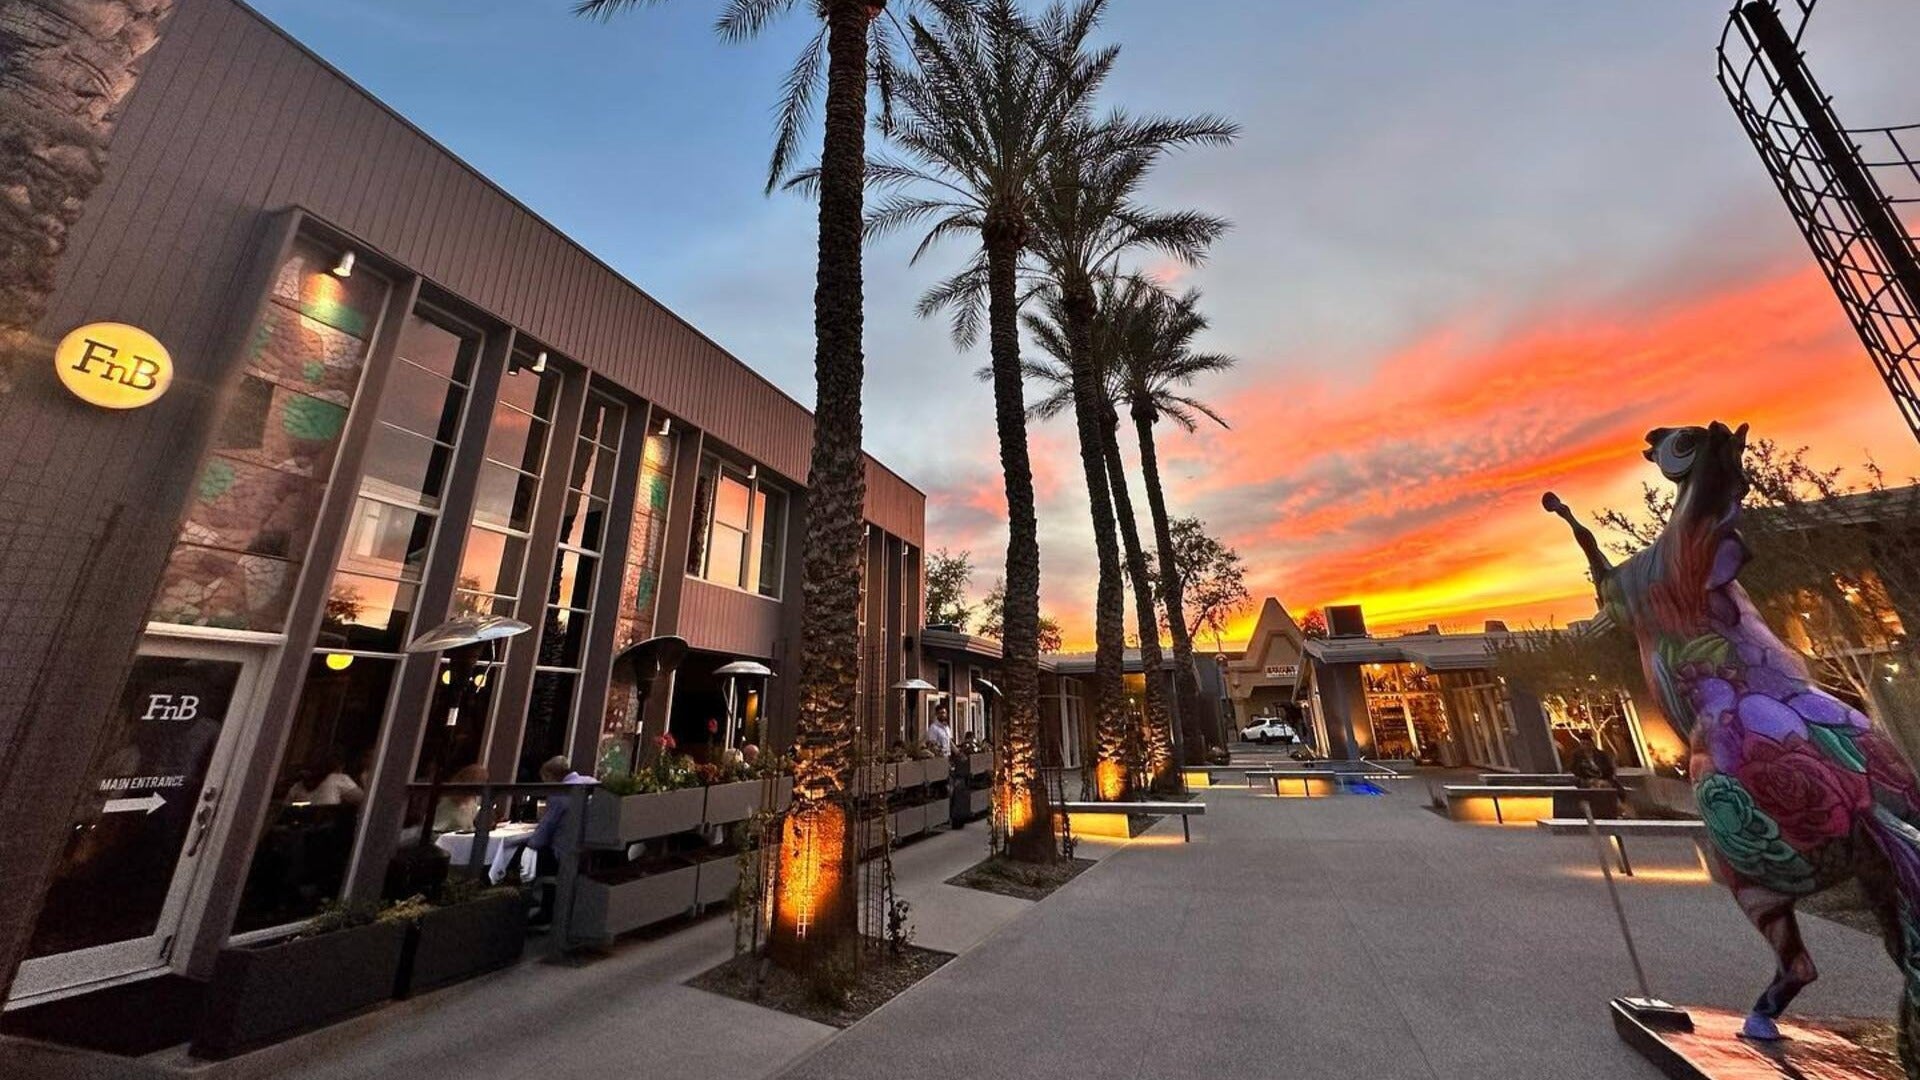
point(1268, 730)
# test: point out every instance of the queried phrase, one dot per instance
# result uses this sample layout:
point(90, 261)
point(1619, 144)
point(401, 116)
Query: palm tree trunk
point(1197, 732)
point(1159, 720)
point(1023, 797)
point(1111, 779)
point(67, 68)
point(814, 909)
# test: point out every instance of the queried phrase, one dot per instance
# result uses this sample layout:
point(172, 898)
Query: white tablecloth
point(502, 842)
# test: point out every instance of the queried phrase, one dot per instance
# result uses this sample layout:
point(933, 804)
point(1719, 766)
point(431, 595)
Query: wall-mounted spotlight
point(753, 472)
point(540, 362)
point(666, 425)
point(344, 268)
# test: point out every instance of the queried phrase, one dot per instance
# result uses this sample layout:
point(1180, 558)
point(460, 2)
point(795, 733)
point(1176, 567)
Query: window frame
point(715, 468)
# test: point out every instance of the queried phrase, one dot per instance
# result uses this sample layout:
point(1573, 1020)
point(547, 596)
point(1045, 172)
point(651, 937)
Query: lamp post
point(733, 672)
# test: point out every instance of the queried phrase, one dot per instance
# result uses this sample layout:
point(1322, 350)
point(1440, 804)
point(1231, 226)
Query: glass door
point(120, 894)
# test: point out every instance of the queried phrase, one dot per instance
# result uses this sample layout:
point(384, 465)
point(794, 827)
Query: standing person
point(959, 798)
point(940, 733)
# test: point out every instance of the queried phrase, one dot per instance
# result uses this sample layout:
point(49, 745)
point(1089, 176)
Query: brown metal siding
point(728, 620)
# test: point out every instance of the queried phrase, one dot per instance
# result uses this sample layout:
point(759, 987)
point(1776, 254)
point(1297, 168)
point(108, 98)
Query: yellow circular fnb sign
point(113, 365)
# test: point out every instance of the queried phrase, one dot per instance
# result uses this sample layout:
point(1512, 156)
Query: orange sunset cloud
point(1413, 487)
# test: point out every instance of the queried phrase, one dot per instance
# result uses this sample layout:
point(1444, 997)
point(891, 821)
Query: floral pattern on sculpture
point(1750, 840)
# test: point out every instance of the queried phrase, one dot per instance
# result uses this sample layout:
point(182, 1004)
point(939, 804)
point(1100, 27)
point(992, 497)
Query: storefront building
point(425, 401)
point(1429, 696)
point(1264, 680)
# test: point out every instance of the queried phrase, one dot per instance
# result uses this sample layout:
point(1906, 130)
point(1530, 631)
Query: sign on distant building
point(1281, 671)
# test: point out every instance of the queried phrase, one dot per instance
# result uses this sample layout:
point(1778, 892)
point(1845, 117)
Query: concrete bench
point(1618, 829)
point(1516, 804)
point(1530, 779)
point(1115, 818)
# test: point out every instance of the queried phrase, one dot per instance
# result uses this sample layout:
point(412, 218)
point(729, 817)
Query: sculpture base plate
point(1714, 1050)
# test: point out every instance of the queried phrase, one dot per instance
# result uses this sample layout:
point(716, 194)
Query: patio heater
point(645, 664)
point(909, 687)
point(465, 643)
point(734, 672)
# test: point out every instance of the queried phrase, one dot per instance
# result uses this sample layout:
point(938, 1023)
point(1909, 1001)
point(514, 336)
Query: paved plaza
point(1349, 936)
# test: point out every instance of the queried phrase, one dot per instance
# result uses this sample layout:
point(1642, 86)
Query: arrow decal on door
point(146, 804)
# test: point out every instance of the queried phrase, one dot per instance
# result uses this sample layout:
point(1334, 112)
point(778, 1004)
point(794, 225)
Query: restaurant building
point(424, 401)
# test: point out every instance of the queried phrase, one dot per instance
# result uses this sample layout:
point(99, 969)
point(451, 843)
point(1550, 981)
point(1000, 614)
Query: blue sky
point(1472, 172)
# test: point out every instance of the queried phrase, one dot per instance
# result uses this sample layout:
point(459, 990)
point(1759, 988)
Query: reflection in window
point(253, 505)
point(569, 613)
point(739, 533)
point(367, 620)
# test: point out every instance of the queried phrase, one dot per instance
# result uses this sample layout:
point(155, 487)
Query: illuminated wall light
point(344, 268)
point(540, 362)
point(666, 425)
point(811, 850)
point(338, 661)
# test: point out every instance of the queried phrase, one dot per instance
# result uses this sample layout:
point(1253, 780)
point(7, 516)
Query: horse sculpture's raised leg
point(1772, 914)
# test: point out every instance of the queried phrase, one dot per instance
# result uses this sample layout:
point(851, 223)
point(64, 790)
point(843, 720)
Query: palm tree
point(1123, 307)
point(813, 894)
point(990, 101)
point(1086, 218)
point(66, 70)
point(1157, 367)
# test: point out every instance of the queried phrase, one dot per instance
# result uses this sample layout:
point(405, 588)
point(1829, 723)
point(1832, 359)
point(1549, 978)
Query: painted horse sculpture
point(1798, 790)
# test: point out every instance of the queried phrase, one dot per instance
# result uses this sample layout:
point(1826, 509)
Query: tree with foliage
point(850, 52)
point(1123, 304)
point(1216, 578)
point(1088, 217)
point(993, 620)
point(948, 575)
point(1314, 624)
point(1835, 566)
point(992, 98)
point(1158, 365)
point(67, 69)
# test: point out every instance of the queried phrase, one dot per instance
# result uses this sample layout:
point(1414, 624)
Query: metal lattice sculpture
point(1798, 791)
point(1847, 188)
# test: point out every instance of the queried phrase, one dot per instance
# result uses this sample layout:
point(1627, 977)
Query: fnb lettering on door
point(172, 707)
point(113, 365)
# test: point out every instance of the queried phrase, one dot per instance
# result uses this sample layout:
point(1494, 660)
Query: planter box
point(981, 800)
point(783, 794)
point(604, 909)
point(909, 774)
point(875, 779)
point(614, 821)
point(717, 880)
point(452, 944)
point(264, 994)
point(738, 801)
point(980, 764)
point(909, 821)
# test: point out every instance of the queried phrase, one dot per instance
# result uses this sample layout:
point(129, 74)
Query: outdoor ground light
point(344, 268)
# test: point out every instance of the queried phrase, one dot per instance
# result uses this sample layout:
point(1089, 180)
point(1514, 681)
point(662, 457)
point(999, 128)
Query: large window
point(301, 860)
point(740, 525)
point(251, 514)
point(569, 611)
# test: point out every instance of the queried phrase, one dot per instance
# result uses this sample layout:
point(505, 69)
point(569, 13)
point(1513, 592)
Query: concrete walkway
point(1347, 936)
point(628, 1013)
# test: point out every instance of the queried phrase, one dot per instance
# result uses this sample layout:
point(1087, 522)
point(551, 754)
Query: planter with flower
point(736, 791)
point(663, 797)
